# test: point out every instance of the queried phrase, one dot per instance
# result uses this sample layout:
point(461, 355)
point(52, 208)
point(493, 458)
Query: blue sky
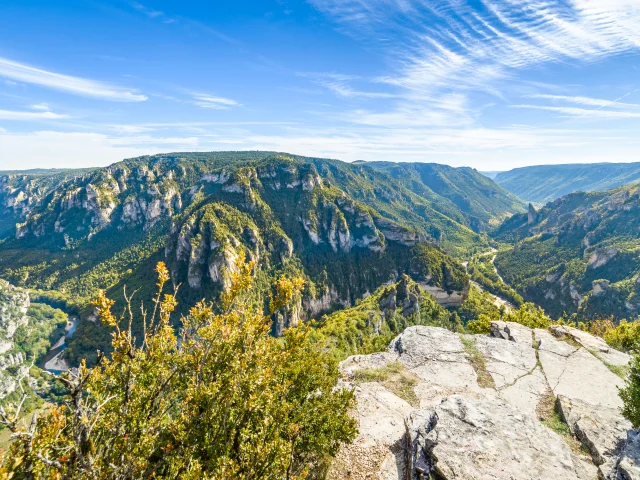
point(493, 84)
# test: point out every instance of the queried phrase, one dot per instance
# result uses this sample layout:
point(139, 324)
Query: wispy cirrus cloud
point(583, 112)
point(164, 17)
point(594, 102)
point(602, 108)
point(340, 84)
point(213, 102)
point(20, 72)
point(30, 116)
point(444, 47)
point(40, 106)
point(152, 13)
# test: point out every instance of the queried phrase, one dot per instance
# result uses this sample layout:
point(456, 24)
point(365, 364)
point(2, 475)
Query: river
point(497, 300)
point(53, 361)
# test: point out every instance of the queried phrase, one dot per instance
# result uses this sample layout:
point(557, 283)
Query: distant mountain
point(47, 171)
point(580, 253)
point(464, 194)
point(491, 174)
point(544, 183)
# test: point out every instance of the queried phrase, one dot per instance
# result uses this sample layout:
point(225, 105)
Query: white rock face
point(628, 466)
point(600, 429)
point(596, 345)
point(602, 256)
point(567, 367)
point(466, 438)
point(14, 303)
point(456, 429)
point(514, 370)
point(453, 299)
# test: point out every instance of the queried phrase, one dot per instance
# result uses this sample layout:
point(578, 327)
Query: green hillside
point(463, 193)
point(544, 183)
point(580, 253)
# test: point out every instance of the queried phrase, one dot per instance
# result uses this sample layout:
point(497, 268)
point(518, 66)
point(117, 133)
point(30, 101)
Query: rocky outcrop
point(600, 429)
point(344, 225)
point(209, 243)
point(118, 196)
point(444, 298)
point(471, 438)
point(394, 232)
point(14, 304)
point(600, 287)
point(481, 407)
point(595, 345)
point(628, 467)
point(601, 256)
point(532, 215)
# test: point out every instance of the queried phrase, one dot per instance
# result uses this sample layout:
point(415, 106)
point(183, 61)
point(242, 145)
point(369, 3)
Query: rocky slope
point(545, 183)
point(580, 253)
point(279, 210)
point(21, 191)
point(512, 405)
point(470, 197)
point(75, 205)
point(14, 304)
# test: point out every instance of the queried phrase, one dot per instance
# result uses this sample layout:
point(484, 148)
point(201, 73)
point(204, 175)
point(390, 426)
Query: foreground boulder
point(518, 404)
point(485, 439)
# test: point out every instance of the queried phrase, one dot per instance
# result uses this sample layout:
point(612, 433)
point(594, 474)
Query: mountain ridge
point(544, 183)
point(483, 203)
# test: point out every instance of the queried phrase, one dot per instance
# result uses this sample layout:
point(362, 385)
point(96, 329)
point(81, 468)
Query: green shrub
point(227, 400)
point(481, 325)
point(630, 394)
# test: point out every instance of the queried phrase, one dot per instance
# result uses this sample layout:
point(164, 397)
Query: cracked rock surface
point(577, 374)
point(453, 428)
point(487, 439)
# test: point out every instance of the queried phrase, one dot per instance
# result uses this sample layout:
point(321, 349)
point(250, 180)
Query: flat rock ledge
point(517, 404)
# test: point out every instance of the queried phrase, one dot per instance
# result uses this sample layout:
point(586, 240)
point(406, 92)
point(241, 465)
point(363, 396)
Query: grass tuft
point(394, 377)
point(485, 380)
point(547, 412)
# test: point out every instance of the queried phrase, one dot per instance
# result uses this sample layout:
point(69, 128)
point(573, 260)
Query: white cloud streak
point(19, 72)
point(339, 84)
point(593, 102)
point(583, 112)
point(212, 102)
point(30, 116)
point(445, 47)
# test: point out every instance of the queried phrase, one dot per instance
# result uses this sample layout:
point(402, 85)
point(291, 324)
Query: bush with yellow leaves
point(220, 399)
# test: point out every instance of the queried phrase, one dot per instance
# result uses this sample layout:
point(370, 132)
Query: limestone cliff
point(281, 213)
point(14, 304)
point(346, 229)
